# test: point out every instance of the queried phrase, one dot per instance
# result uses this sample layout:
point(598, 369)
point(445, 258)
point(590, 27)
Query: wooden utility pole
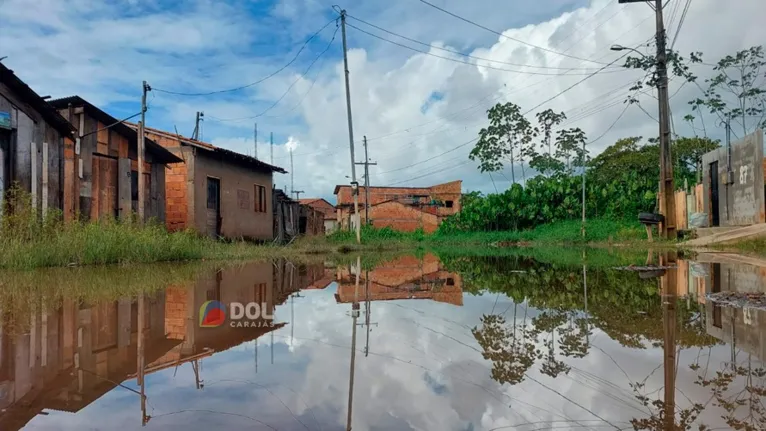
point(354, 183)
point(669, 287)
point(141, 155)
point(255, 140)
point(667, 186)
point(366, 164)
point(271, 146)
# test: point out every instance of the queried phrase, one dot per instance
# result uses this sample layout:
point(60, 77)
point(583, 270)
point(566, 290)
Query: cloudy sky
point(418, 110)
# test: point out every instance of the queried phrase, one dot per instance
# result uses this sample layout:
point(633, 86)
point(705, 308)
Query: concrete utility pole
point(667, 186)
point(583, 189)
point(354, 183)
point(255, 140)
point(141, 144)
point(366, 164)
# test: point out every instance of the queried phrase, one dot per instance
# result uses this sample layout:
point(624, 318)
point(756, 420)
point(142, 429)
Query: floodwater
point(415, 343)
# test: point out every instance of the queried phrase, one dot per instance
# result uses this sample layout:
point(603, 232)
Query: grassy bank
point(565, 232)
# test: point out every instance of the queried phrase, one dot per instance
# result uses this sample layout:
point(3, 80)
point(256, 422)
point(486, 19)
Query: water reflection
point(459, 343)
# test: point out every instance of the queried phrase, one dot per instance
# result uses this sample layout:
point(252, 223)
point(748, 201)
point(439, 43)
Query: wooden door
point(213, 212)
point(104, 188)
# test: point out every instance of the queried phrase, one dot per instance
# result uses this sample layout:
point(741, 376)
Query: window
point(213, 193)
point(448, 204)
point(260, 198)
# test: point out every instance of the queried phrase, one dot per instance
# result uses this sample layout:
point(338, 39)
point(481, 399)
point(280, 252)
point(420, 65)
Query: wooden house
point(36, 145)
point(108, 176)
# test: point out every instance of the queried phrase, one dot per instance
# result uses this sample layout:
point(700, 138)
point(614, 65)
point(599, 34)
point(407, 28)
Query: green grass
point(565, 232)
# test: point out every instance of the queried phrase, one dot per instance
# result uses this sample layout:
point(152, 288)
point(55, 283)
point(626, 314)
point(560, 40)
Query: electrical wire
point(431, 46)
point(467, 62)
point(428, 174)
point(681, 23)
point(288, 88)
point(210, 93)
point(506, 36)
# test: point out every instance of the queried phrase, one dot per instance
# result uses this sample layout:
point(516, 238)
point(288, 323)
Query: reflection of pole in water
point(256, 356)
point(354, 315)
point(585, 298)
point(367, 311)
point(669, 286)
point(272, 347)
point(140, 360)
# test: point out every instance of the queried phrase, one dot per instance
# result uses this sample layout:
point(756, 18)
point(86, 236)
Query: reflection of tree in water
point(749, 399)
point(507, 347)
point(548, 322)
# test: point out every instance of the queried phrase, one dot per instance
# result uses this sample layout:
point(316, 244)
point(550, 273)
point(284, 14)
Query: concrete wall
point(35, 154)
point(741, 203)
point(236, 221)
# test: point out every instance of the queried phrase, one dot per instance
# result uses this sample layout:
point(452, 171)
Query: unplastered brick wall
point(176, 205)
point(175, 312)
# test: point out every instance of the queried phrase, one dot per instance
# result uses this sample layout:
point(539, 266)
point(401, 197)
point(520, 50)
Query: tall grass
point(26, 241)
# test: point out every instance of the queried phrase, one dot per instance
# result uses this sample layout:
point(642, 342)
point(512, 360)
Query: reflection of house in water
point(743, 329)
point(404, 278)
point(68, 358)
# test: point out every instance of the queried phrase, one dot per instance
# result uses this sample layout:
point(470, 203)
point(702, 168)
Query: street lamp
point(622, 48)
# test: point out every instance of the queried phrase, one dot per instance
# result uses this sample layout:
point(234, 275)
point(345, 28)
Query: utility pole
point(667, 186)
point(583, 190)
point(271, 146)
point(292, 174)
point(141, 143)
point(298, 194)
point(366, 164)
point(255, 140)
point(354, 183)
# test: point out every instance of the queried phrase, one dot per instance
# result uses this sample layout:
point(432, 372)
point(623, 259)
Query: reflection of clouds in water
point(423, 373)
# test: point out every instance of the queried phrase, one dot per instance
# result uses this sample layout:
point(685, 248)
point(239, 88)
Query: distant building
point(404, 278)
point(37, 148)
point(216, 191)
point(108, 186)
point(327, 209)
point(400, 208)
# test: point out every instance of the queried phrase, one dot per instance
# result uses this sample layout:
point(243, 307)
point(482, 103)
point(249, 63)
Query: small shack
point(286, 217)
point(108, 178)
point(733, 183)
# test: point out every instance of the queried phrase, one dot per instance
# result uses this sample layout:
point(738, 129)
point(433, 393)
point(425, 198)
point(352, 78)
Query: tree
point(688, 153)
point(737, 89)
point(570, 145)
point(502, 140)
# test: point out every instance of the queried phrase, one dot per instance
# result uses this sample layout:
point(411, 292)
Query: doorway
point(213, 217)
point(715, 216)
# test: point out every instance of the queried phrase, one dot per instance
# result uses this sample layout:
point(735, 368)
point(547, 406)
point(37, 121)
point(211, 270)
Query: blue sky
point(103, 50)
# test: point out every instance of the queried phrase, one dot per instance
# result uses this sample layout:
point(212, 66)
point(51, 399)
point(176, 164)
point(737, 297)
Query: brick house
point(108, 185)
point(405, 278)
point(36, 146)
point(217, 192)
point(401, 208)
point(326, 208)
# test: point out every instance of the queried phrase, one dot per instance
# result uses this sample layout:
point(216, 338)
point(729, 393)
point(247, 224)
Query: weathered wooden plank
point(33, 172)
point(94, 214)
point(123, 187)
point(23, 156)
point(45, 184)
point(102, 138)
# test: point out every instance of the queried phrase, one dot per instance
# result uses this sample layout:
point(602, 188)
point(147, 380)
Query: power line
point(466, 62)
point(681, 23)
point(258, 81)
point(434, 157)
point(462, 53)
point(575, 84)
point(506, 36)
point(288, 88)
point(429, 173)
